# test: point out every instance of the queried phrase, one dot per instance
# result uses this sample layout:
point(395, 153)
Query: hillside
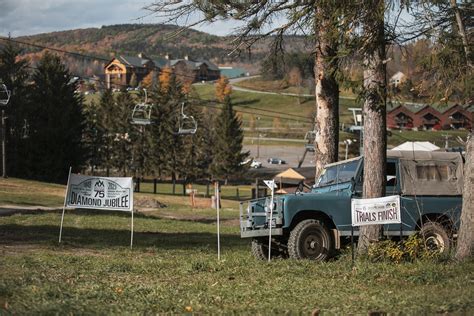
point(155, 40)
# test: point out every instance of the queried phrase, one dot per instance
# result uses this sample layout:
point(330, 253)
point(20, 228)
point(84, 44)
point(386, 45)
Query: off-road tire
point(260, 250)
point(436, 237)
point(310, 239)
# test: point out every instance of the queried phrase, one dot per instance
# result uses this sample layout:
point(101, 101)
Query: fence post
point(237, 192)
point(207, 189)
point(137, 185)
point(184, 188)
point(154, 186)
point(256, 188)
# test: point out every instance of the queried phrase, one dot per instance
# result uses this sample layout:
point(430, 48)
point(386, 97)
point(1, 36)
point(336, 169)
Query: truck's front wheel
point(260, 249)
point(310, 239)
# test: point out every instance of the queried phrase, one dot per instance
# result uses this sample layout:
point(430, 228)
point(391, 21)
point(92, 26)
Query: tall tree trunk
point(326, 143)
point(462, 32)
point(466, 230)
point(374, 111)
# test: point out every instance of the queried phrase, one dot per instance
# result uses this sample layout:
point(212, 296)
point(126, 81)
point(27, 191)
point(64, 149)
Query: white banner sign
point(384, 210)
point(100, 193)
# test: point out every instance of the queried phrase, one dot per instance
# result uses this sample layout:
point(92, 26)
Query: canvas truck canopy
point(429, 173)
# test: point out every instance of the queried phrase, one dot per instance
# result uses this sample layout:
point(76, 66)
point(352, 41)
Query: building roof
point(233, 72)
point(417, 107)
point(133, 61)
point(418, 146)
point(289, 174)
point(193, 64)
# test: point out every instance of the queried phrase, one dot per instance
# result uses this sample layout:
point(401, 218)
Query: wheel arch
point(442, 219)
point(312, 214)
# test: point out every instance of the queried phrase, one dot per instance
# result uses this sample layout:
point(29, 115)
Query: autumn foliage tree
point(223, 88)
point(165, 78)
point(149, 80)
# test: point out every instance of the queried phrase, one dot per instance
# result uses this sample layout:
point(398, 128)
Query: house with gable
point(119, 71)
point(405, 116)
point(199, 69)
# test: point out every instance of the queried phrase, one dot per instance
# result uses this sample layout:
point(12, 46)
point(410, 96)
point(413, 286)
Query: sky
point(28, 17)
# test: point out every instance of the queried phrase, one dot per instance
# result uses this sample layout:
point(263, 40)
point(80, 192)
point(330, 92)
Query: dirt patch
point(149, 203)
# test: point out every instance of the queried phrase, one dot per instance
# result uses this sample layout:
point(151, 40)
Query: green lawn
point(173, 268)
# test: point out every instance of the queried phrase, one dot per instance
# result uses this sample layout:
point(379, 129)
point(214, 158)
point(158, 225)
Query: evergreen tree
point(123, 134)
point(93, 137)
point(133, 81)
point(14, 74)
point(55, 141)
point(105, 120)
point(228, 154)
point(141, 140)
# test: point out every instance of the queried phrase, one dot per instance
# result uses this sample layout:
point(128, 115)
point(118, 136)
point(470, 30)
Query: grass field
point(173, 268)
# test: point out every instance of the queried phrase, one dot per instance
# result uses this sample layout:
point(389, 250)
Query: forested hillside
point(155, 40)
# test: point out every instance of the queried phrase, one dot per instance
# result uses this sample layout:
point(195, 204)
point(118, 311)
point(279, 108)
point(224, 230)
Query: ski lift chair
point(187, 123)
point(4, 94)
point(141, 114)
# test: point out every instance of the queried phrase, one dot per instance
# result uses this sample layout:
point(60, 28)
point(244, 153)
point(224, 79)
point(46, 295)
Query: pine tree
point(228, 154)
point(133, 81)
point(55, 143)
point(105, 119)
point(93, 137)
point(13, 73)
point(123, 134)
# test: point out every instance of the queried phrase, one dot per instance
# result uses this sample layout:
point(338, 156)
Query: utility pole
point(4, 151)
point(4, 98)
point(446, 140)
point(258, 137)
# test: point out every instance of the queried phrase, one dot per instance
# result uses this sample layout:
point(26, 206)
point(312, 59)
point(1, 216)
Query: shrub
point(407, 250)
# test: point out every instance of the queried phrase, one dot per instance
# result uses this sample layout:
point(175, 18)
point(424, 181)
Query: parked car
point(276, 161)
point(252, 163)
point(256, 164)
point(314, 225)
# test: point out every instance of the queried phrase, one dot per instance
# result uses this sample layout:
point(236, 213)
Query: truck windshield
point(338, 173)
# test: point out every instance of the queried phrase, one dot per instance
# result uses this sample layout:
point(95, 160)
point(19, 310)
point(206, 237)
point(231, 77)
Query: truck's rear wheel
point(260, 250)
point(310, 239)
point(436, 237)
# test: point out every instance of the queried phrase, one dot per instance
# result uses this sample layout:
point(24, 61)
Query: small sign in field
point(384, 210)
point(100, 193)
point(113, 194)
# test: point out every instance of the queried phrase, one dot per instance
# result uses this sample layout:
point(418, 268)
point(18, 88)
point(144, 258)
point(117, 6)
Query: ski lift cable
point(159, 70)
point(303, 119)
point(106, 60)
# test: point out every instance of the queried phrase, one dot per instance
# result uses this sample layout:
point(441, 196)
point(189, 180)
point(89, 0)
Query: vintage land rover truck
point(313, 225)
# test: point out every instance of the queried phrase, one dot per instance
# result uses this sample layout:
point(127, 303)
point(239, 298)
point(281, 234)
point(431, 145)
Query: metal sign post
point(272, 186)
point(217, 195)
point(64, 206)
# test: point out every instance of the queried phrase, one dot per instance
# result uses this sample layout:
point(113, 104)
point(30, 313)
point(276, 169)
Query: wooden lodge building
point(430, 118)
point(119, 71)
